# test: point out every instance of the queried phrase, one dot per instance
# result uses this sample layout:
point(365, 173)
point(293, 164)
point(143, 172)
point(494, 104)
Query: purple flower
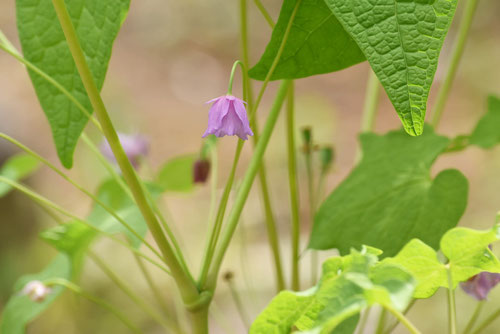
point(201, 169)
point(135, 147)
point(479, 286)
point(228, 117)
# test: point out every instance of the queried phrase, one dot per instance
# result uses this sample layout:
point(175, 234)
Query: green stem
point(312, 209)
point(395, 324)
point(264, 13)
point(458, 50)
point(239, 304)
point(246, 185)
point(487, 322)
point(294, 189)
point(167, 323)
point(363, 321)
point(186, 285)
point(381, 321)
point(371, 103)
point(474, 317)
point(403, 320)
point(233, 71)
point(98, 301)
point(42, 201)
point(452, 312)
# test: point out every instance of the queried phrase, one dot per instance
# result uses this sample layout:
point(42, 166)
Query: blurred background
point(169, 58)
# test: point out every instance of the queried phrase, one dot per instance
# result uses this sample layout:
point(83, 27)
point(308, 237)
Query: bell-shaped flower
point(479, 286)
point(135, 147)
point(36, 291)
point(228, 117)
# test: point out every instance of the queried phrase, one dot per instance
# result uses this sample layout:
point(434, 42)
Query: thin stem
point(186, 285)
point(487, 322)
point(381, 321)
point(312, 209)
point(248, 179)
point(411, 328)
point(167, 323)
point(371, 103)
point(474, 317)
point(239, 304)
point(233, 71)
point(294, 189)
point(452, 312)
point(264, 13)
point(80, 188)
point(363, 321)
point(46, 203)
point(458, 50)
point(98, 301)
point(395, 324)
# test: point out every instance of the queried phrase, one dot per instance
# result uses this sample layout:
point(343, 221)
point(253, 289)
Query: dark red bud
point(201, 169)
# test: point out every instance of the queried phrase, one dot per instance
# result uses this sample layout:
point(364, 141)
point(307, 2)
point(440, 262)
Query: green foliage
point(390, 197)
point(317, 43)
point(97, 23)
point(487, 133)
point(467, 253)
point(20, 309)
point(177, 174)
point(402, 41)
point(348, 285)
point(113, 196)
point(71, 238)
point(18, 167)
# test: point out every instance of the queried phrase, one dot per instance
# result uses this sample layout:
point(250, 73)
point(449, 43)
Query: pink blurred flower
point(479, 286)
point(36, 291)
point(135, 147)
point(228, 117)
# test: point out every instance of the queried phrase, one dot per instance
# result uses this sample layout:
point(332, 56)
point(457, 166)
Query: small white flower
point(36, 291)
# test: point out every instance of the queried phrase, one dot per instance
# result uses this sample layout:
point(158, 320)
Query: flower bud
point(479, 286)
point(327, 157)
point(36, 291)
point(201, 169)
point(307, 138)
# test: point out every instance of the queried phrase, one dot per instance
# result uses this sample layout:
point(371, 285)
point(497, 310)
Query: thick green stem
point(186, 285)
point(98, 301)
point(294, 189)
point(246, 185)
point(452, 311)
point(371, 103)
point(458, 50)
point(474, 317)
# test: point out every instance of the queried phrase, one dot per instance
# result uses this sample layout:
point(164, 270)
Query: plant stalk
point(474, 317)
point(452, 311)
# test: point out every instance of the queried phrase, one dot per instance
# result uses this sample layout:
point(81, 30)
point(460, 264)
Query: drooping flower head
point(36, 291)
point(228, 117)
point(135, 147)
point(479, 286)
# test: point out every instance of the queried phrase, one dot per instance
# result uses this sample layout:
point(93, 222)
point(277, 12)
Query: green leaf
point(317, 43)
point(177, 174)
point(487, 132)
point(467, 252)
point(390, 197)
point(112, 195)
point(16, 168)
point(348, 285)
point(97, 23)
point(71, 238)
point(402, 40)
point(20, 309)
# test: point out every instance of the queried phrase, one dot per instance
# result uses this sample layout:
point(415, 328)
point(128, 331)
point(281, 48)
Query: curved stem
point(294, 189)
point(403, 320)
point(474, 317)
point(247, 182)
point(98, 301)
point(458, 50)
point(233, 71)
point(186, 285)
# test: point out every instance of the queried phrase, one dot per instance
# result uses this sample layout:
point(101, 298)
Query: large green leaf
point(20, 309)
point(17, 168)
point(402, 40)
point(487, 132)
point(176, 174)
point(390, 197)
point(317, 43)
point(467, 252)
point(97, 23)
point(112, 195)
point(347, 286)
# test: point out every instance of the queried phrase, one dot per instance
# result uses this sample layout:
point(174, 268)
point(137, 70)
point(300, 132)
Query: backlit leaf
point(487, 132)
point(177, 174)
point(17, 168)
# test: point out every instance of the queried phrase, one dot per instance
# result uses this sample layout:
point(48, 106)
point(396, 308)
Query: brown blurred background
point(172, 56)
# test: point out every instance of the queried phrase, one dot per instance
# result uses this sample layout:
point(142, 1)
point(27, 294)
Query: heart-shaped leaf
point(97, 23)
point(487, 134)
point(402, 40)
